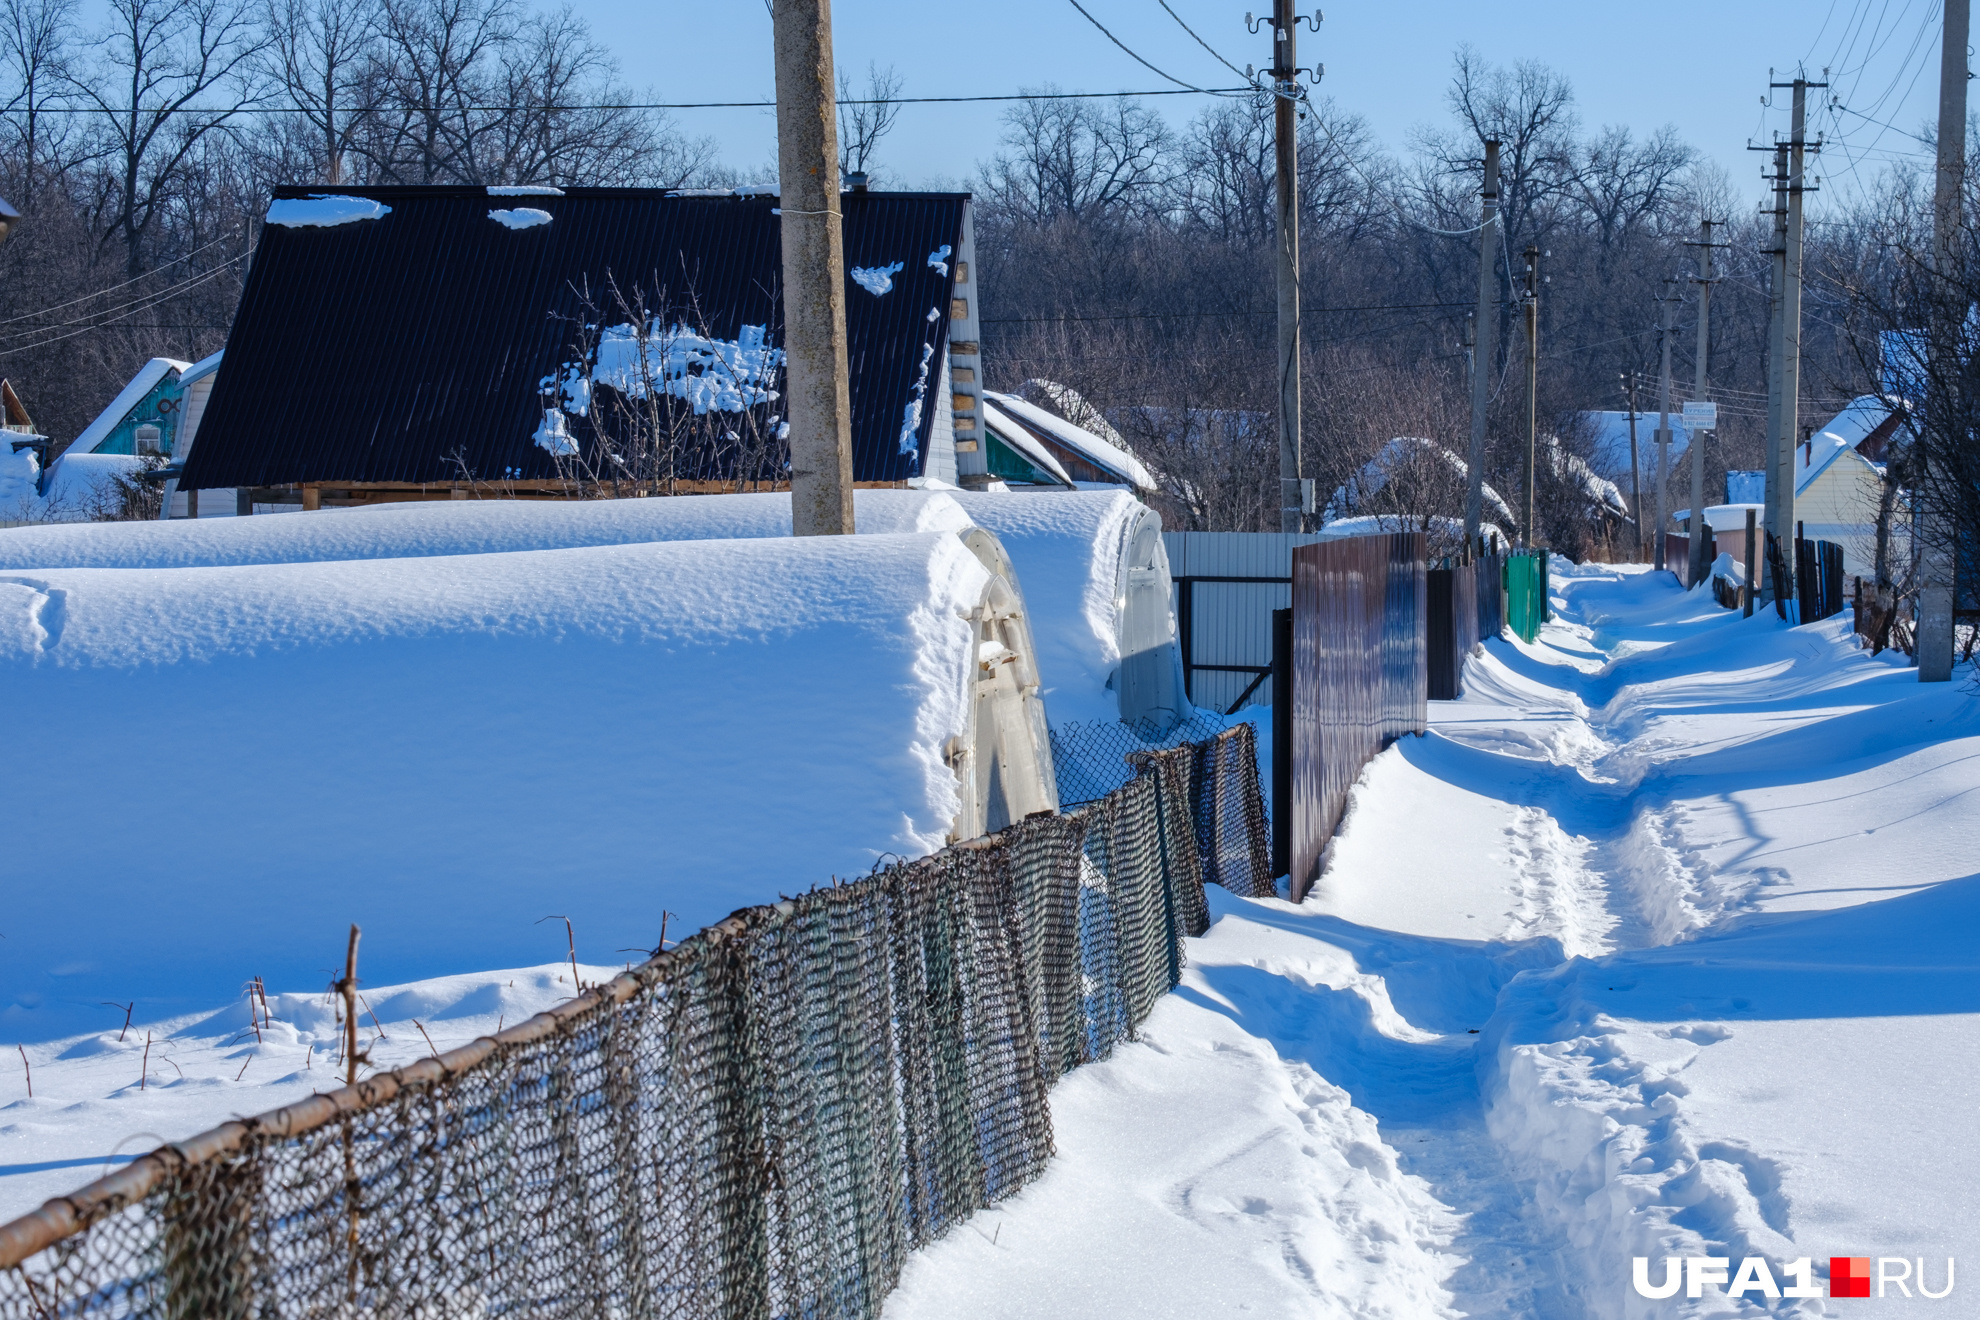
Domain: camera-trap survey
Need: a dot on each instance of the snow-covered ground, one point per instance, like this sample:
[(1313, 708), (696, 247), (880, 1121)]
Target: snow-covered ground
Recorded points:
[(1660, 943)]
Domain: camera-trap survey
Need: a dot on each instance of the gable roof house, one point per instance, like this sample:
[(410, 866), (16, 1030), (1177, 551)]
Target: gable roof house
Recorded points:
[(415, 343), (1838, 485), (1020, 433)]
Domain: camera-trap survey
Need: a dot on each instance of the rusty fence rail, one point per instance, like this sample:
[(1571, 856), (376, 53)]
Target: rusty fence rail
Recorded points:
[(762, 1121)]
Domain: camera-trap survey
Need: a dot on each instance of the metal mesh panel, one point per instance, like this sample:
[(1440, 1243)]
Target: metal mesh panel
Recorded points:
[(1090, 757), (762, 1121), (1229, 806)]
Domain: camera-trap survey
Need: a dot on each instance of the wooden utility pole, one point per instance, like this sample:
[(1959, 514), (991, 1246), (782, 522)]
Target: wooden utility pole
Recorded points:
[(1635, 463), (818, 402), (1704, 281), (1483, 344), (1780, 456), (1285, 113), (1937, 570), (1532, 390), (1663, 436)]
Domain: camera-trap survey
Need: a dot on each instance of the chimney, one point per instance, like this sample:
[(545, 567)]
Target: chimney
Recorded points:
[(856, 181)]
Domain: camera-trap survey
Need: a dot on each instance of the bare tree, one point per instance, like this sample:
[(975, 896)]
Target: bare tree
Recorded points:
[(161, 63), (37, 43), (1079, 160), (324, 54), (866, 118)]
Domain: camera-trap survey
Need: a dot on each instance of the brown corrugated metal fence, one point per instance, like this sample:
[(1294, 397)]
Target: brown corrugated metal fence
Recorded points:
[(1360, 675)]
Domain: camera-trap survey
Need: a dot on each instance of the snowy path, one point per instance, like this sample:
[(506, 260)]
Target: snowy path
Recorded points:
[(1352, 1108)]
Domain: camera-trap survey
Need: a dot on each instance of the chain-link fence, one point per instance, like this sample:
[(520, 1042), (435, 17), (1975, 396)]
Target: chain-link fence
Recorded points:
[(1090, 758), (762, 1121)]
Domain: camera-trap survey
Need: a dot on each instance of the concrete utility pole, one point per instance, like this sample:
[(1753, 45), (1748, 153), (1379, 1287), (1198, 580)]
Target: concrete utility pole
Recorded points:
[(1937, 570), (1791, 316), (1532, 389), (1696, 559), (1635, 463), (1670, 302), (1285, 119), (1777, 520), (1482, 354), (818, 402)]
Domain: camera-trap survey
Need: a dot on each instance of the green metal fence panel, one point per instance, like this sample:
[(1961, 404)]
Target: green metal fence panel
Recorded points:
[(1526, 593)]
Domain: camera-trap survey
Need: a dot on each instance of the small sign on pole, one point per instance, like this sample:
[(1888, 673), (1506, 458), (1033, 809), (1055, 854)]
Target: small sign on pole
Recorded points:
[(1701, 416)]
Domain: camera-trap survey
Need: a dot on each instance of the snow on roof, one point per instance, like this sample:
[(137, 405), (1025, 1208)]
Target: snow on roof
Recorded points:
[(876, 280), (417, 530), (1108, 457), (1845, 431), (1072, 405), (323, 210), (79, 483), (1611, 455), (445, 750), (521, 217), (127, 398), (1569, 467), (1019, 439), (1067, 547), (206, 366), (1375, 473), (1384, 524)]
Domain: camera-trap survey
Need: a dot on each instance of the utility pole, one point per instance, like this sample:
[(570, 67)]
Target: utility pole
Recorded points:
[(819, 404), (1482, 354), (1670, 302), (1285, 107), (1791, 310), (1635, 463), (1784, 349), (1532, 389), (1937, 570), (1704, 281), (1780, 458)]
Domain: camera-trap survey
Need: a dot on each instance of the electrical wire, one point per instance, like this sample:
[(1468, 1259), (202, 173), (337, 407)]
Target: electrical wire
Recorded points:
[(1131, 54), (1184, 90), (1201, 42), (147, 298), (25, 316), (1211, 316), (125, 316)]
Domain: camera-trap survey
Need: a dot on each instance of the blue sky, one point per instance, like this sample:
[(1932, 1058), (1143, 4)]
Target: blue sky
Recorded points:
[(1701, 66)]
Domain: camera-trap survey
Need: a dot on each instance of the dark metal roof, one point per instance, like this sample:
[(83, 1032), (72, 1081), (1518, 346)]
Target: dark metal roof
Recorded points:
[(405, 348)]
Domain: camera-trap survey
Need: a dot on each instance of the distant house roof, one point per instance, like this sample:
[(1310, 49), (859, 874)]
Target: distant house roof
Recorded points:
[(206, 366), (1611, 454), (1866, 424), (1115, 463), (426, 335), (1351, 498), (1023, 443), (128, 398)]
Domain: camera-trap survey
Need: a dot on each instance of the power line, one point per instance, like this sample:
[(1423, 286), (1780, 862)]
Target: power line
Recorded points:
[(1207, 316), (1130, 53), (1201, 42), (28, 316), (1185, 90)]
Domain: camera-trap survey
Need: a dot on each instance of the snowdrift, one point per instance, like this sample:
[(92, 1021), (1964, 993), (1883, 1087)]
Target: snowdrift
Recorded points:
[(451, 527), (219, 768), (1090, 565), (1096, 588)]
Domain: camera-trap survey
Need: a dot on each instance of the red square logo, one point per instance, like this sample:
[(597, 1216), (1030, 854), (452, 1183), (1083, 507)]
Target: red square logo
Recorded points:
[(1849, 1276)]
